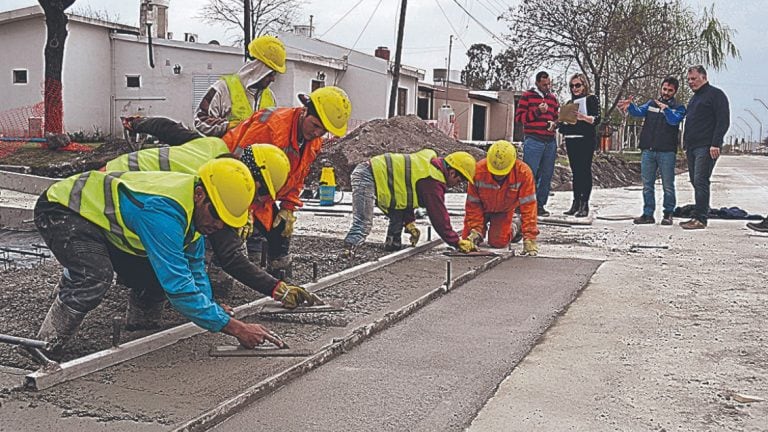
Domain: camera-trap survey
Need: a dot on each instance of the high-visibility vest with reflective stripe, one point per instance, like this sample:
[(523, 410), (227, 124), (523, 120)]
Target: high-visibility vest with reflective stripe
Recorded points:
[(396, 175), (186, 158), (94, 196), (241, 108)]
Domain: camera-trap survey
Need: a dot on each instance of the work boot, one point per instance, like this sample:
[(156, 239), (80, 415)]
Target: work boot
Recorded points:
[(574, 208), (760, 226), (542, 212), (392, 244), (281, 267), (141, 315), (667, 220), (583, 209), (644, 219), (517, 230), (60, 324), (693, 224)]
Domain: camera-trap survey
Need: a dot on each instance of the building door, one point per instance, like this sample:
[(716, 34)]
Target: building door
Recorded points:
[(478, 122)]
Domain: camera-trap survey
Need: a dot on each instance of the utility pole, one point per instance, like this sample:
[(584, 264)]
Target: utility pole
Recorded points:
[(760, 134), (246, 26), (311, 26), (749, 143), (398, 55), (448, 70)]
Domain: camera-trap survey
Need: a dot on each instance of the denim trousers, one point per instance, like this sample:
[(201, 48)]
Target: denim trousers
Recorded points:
[(652, 163), (540, 157), (700, 166), (363, 200)]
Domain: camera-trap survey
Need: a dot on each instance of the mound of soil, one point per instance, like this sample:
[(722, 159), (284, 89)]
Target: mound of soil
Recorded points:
[(401, 134)]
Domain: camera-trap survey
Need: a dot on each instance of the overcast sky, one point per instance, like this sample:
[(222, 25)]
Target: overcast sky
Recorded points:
[(429, 23)]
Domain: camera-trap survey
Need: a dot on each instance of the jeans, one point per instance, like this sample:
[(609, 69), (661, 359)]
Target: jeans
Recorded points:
[(540, 157), (580, 153), (700, 166), (651, 163), (363, 200)]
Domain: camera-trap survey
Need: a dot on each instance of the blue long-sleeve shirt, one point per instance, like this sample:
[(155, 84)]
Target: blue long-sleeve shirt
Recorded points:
[(160, 224), (673, 114), (661, 127)]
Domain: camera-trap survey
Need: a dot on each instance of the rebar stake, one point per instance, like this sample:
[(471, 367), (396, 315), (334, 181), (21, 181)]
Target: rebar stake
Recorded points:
[(448, 275), (429, 233), (314, 272), (116, 322)]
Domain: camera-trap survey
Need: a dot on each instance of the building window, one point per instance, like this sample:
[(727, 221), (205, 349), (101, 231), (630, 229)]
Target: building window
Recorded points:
[(133, 81), (19, 76), (316, 84), (402, 101)]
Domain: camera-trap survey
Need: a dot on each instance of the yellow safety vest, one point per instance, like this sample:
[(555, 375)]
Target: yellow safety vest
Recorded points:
[(186, 158), (241, 108), (396, 174), (94, 196)]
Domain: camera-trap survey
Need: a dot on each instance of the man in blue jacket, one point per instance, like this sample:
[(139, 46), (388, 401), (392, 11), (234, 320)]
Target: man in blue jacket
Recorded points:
[(706, 123), (658, 142)]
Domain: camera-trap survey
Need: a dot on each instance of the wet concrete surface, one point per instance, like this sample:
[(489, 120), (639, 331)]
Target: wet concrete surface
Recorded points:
[(175, 384), (434, 370)]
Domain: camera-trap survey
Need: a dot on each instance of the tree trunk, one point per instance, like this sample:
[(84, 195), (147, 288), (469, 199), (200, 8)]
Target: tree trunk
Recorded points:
[(56, 23)]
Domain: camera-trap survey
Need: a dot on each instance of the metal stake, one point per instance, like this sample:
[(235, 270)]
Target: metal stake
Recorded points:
[(314, 272), (429, 233), (116, 321), (448, 274)]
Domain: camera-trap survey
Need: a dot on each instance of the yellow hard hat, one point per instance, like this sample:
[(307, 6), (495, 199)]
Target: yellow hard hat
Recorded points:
[(333, 107), (501, 158), (270, 51), (269, 166), (230, 187), (464, 163)]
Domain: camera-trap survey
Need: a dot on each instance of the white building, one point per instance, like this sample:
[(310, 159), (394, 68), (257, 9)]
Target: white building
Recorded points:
[(109, 70)]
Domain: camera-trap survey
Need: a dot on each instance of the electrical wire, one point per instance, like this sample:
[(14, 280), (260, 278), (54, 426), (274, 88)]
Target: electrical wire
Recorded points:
[(492, 34), (341, 19), (494, 12), (452, 27), (365, 27)]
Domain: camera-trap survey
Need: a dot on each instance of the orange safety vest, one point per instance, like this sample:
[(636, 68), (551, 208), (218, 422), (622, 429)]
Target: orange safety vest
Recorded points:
[(488, 196), (279, 127)]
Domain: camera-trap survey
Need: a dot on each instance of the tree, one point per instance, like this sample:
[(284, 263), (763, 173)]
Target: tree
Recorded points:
[(56, 25), (621, 45), (478, 73), (267, 16)]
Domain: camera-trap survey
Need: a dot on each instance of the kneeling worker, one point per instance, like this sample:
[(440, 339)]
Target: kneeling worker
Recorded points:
[(501, 185), (270, 169), (399, 183), (147, 227)]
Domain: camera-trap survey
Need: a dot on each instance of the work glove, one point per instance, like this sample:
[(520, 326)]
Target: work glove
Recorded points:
[(530, 247), (232, 124), (291, 296), (246, 231), (287, 216), (475, 237), (466, 246), (414, 232)]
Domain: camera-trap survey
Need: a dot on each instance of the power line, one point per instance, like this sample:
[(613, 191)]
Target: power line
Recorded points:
[(451, 24), (494, 12), (342, 18), (492, 34), (366, 26)]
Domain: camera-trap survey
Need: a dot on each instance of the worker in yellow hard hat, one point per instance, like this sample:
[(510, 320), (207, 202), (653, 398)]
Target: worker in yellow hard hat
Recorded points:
[(299, 132), (502, 184), (399, 183), (147, 227), (229, 101), (270, 169)]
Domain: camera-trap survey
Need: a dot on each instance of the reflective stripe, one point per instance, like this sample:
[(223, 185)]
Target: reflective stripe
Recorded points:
[(408, 189), (266, 114), (390, 179), (238, 152), (75, 195), (163, 158), (109, 204), (473, 198), (515, 185), (133, 161), (527, 199), (484, 185)]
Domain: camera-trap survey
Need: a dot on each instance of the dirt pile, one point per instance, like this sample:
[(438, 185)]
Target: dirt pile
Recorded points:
[(608, 171), (401, 134)]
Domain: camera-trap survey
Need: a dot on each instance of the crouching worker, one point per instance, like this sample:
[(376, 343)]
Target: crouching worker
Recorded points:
[(501, 185), (269, 167), (399, 183), (147, 227)]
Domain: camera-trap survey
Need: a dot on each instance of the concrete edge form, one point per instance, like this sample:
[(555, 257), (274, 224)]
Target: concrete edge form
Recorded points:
[(48, 377), (25, 183), (227, 408), (16, 218)]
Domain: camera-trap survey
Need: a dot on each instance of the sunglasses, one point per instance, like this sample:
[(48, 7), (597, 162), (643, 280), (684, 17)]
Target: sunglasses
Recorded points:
[(576, 85)]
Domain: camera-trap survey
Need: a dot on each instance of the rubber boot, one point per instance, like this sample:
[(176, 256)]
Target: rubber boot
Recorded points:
[(281, 267), (583, 209), (60, 324), (574, 208), (141, 315)]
